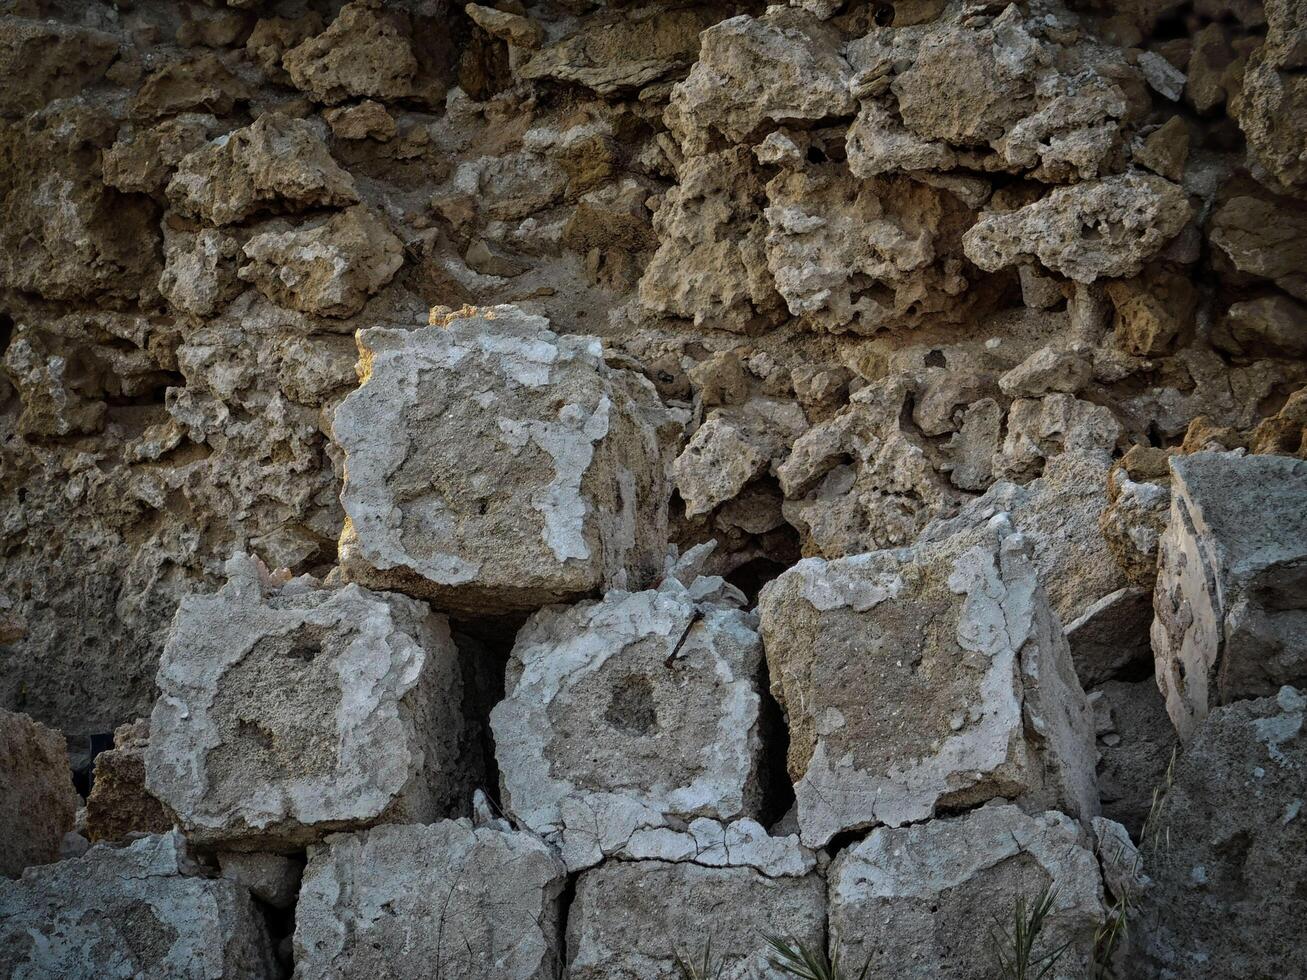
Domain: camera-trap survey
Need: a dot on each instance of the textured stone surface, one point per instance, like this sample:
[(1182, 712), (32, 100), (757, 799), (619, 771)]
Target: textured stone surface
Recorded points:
[(1225, 898), (1136, 747), (911, 900), (446, 899), (629, 920), (923, 679), (144, 910), (630, 714), (1230, 603), (36, 793), (492, 461), (119, 803), (265, 736)]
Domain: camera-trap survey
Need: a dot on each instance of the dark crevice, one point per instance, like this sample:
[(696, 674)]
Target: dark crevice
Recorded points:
[(565, 901), (774, 774), (482, 661)]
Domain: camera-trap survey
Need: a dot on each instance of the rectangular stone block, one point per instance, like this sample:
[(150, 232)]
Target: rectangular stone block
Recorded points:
[(635, 712), (493, 463), (289, 711), (444, 900), (144, 911), (919, 902), (1231, 598), (923, 679)]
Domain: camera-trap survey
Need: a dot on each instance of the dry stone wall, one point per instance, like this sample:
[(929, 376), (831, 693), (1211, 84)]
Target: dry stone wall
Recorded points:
[(530, 489)]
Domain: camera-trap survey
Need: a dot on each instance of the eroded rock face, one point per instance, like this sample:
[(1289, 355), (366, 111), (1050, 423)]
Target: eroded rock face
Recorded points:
[(491, 461), (925, 678), (145, 910), (628, 916), (119, 803), (1229, 603), (478, 901), (630, 714), (264, 737), (908, 900), (1273, 94), (1201, 913), (36, 793)]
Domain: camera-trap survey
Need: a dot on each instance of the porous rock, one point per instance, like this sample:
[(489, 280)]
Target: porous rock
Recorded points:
[(36, 793), (909, 900), (447, 899), (119, 803), (493, 462), (632, 713), (922, 679), (1230, 605), (265, 736), (145, 910)]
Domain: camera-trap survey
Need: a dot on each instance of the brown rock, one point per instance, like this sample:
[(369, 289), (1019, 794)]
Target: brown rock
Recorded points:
[(36, 793), (1154, 311), (119, 803)]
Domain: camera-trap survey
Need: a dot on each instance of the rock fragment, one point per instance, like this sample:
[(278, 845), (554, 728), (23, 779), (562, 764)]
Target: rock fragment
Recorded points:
[(36, 794), (144, 910), (366, 52), (288, 712), (1230, 606), (119, 803), (492, 463), (447, 899)]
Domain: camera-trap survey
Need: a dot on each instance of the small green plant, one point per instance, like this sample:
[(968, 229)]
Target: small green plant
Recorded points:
[(1015, 948), (703, 968), (1109, 937), (1153, 835), (797, 960)]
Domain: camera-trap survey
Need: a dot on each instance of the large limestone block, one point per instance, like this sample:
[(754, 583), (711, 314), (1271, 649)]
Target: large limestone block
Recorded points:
[(629, 920), (1097, 229), (275, 164), (1230, 852), (926, 678), (492, 464), (917, 902), (288, 713), (144, 911), (635, 712), (1231, 599), (443, 900), (37, 798)]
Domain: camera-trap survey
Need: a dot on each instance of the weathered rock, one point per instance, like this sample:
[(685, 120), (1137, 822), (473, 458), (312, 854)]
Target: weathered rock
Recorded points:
[(1111, 636), (367, 120), (922, 679), (631, 714), (272, 878), (199, 270), (1136, 746), (1122, 864), (144, 910), (1154, 312), (629, 920), (1165, 150), (782, 67), (910, 900), (1097, 229), (1264, 237), (201, 84), (1273, 325), (1232, 843), (36, 794), (327, 267), (365, 53), (1230, 605), (1049, 370), (275, 164), (119, 803), (1135, 518), (143, 159), (265, 736), (1274, 94), (446, 898), (623, 49), (493, 463), (44, 60)]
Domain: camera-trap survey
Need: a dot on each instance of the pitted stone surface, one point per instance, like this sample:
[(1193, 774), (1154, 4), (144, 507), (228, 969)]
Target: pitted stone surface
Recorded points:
[(493, 462), (145, 910), (632, 714), (1230, 604), (446, 900), (37, 797), (922, 679), (288, 712), (630, 919), (911, 900)]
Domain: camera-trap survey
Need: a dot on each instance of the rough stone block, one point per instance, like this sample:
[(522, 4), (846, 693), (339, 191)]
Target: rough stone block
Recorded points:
[(917, 902), (926, 678), (630, 919), (444, 900), (492, 463), (1227, 897), (140, 911), (37, 798), (119, 803), (289, 712), (1231, 596), (635, 712)]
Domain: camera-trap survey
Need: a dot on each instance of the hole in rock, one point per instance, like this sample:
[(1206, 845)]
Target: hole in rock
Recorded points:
[(631, 707), (884, 14)]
